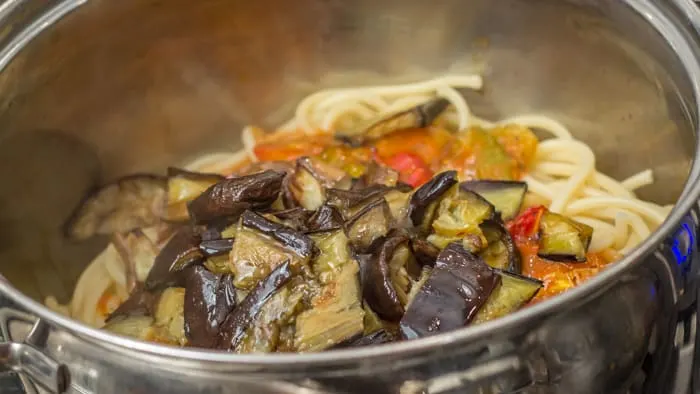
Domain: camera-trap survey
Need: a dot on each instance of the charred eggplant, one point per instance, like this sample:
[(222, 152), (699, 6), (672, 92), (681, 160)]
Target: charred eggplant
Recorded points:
[(261, 245), (563, 239), (458, 286), (229, 198), (506, 196), (501, 252), (369, 224), (458, 217), (169, 315), (129, 203), (181, 251), (426, 198), (183, 187), (307, 186), (238, 321), (511, 294), (216, 247), (416, 117), (326, 218), (209, 298)]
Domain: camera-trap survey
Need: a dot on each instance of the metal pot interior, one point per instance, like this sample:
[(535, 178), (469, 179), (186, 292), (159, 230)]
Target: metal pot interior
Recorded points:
[(134, 86)]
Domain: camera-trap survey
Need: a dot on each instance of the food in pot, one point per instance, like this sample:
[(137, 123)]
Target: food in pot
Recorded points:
[(375, 215)]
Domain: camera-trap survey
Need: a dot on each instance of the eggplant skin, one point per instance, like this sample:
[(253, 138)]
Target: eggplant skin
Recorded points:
[(293, 240), (375, 338), (419, 116), (140, 303), (326, 218), (237, 322), (230, 197), (513, 293), (130, 202), (181, 251), (512, 258), (425, 252), (377, 287), (216, 247), (506, 196), (458, 286), (428, 194), (209, 298)]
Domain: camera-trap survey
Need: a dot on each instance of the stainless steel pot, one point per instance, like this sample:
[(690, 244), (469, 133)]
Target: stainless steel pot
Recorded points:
[(93, 90)]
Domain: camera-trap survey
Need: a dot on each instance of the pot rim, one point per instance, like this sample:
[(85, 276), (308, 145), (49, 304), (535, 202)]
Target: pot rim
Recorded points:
[(684, 49)]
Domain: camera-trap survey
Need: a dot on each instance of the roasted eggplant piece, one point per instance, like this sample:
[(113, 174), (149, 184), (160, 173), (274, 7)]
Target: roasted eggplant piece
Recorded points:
[(506, 196), (458, 217), (563, 239), (307, 186), (326, 218), (139, 303), (239, 320), (266, 332), (369, 224), (219, 264), (425, 252), (376, 174), (180, 252), (416, 117), (138, 254), (209, 298), (501, 252), (349, 202), (426, 198), (334, 253), (296, 218), (385, 279), (183, 187), (417, 285), (170, 315), (229, 198), (261, 245), (131, 202), (511, 294), (140, 327), (216, 247), (336, 313), (375, 338), (398, 206), (458, 286)]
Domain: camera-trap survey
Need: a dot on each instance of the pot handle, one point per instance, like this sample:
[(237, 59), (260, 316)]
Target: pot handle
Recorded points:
[(28, 356)]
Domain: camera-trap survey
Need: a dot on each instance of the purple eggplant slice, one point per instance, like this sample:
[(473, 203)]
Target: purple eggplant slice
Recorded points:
[(563, 239), (506, 196), (425, 252), (512, 294), (131, 202), (183, 187), (233, 328), (385, 280), (375, 338), (501, 252), (326, 218), (457, 218), (209, 298), (216, 247), (369, 224), (170, 316), (181, 251), (458, 286), (416, 117), (349, 202), (426, 198), (307, 186), (229, 198), (376, 174), (295, 218), (261, 245)]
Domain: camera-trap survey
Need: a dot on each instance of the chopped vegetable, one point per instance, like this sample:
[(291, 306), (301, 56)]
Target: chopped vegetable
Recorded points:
[(426, 198), (326, 218), (183, 187), (139, 303), (231, 197), (506, 196), (412, 169), (417, 117), (458, 217), (501, 252), (179, 253), (511, 294), (376, 338), (129, 203), (262, 245), (238, 321), (385, 283), (307, 187), (369, 224), (563, 239), (450, 298), (169, 314), (334, 253), (527, 224), (209, 298), (216, 247), (140, 327)]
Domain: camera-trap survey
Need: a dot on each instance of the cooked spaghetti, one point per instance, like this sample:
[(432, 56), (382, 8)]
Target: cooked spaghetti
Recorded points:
[(416, 133)]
